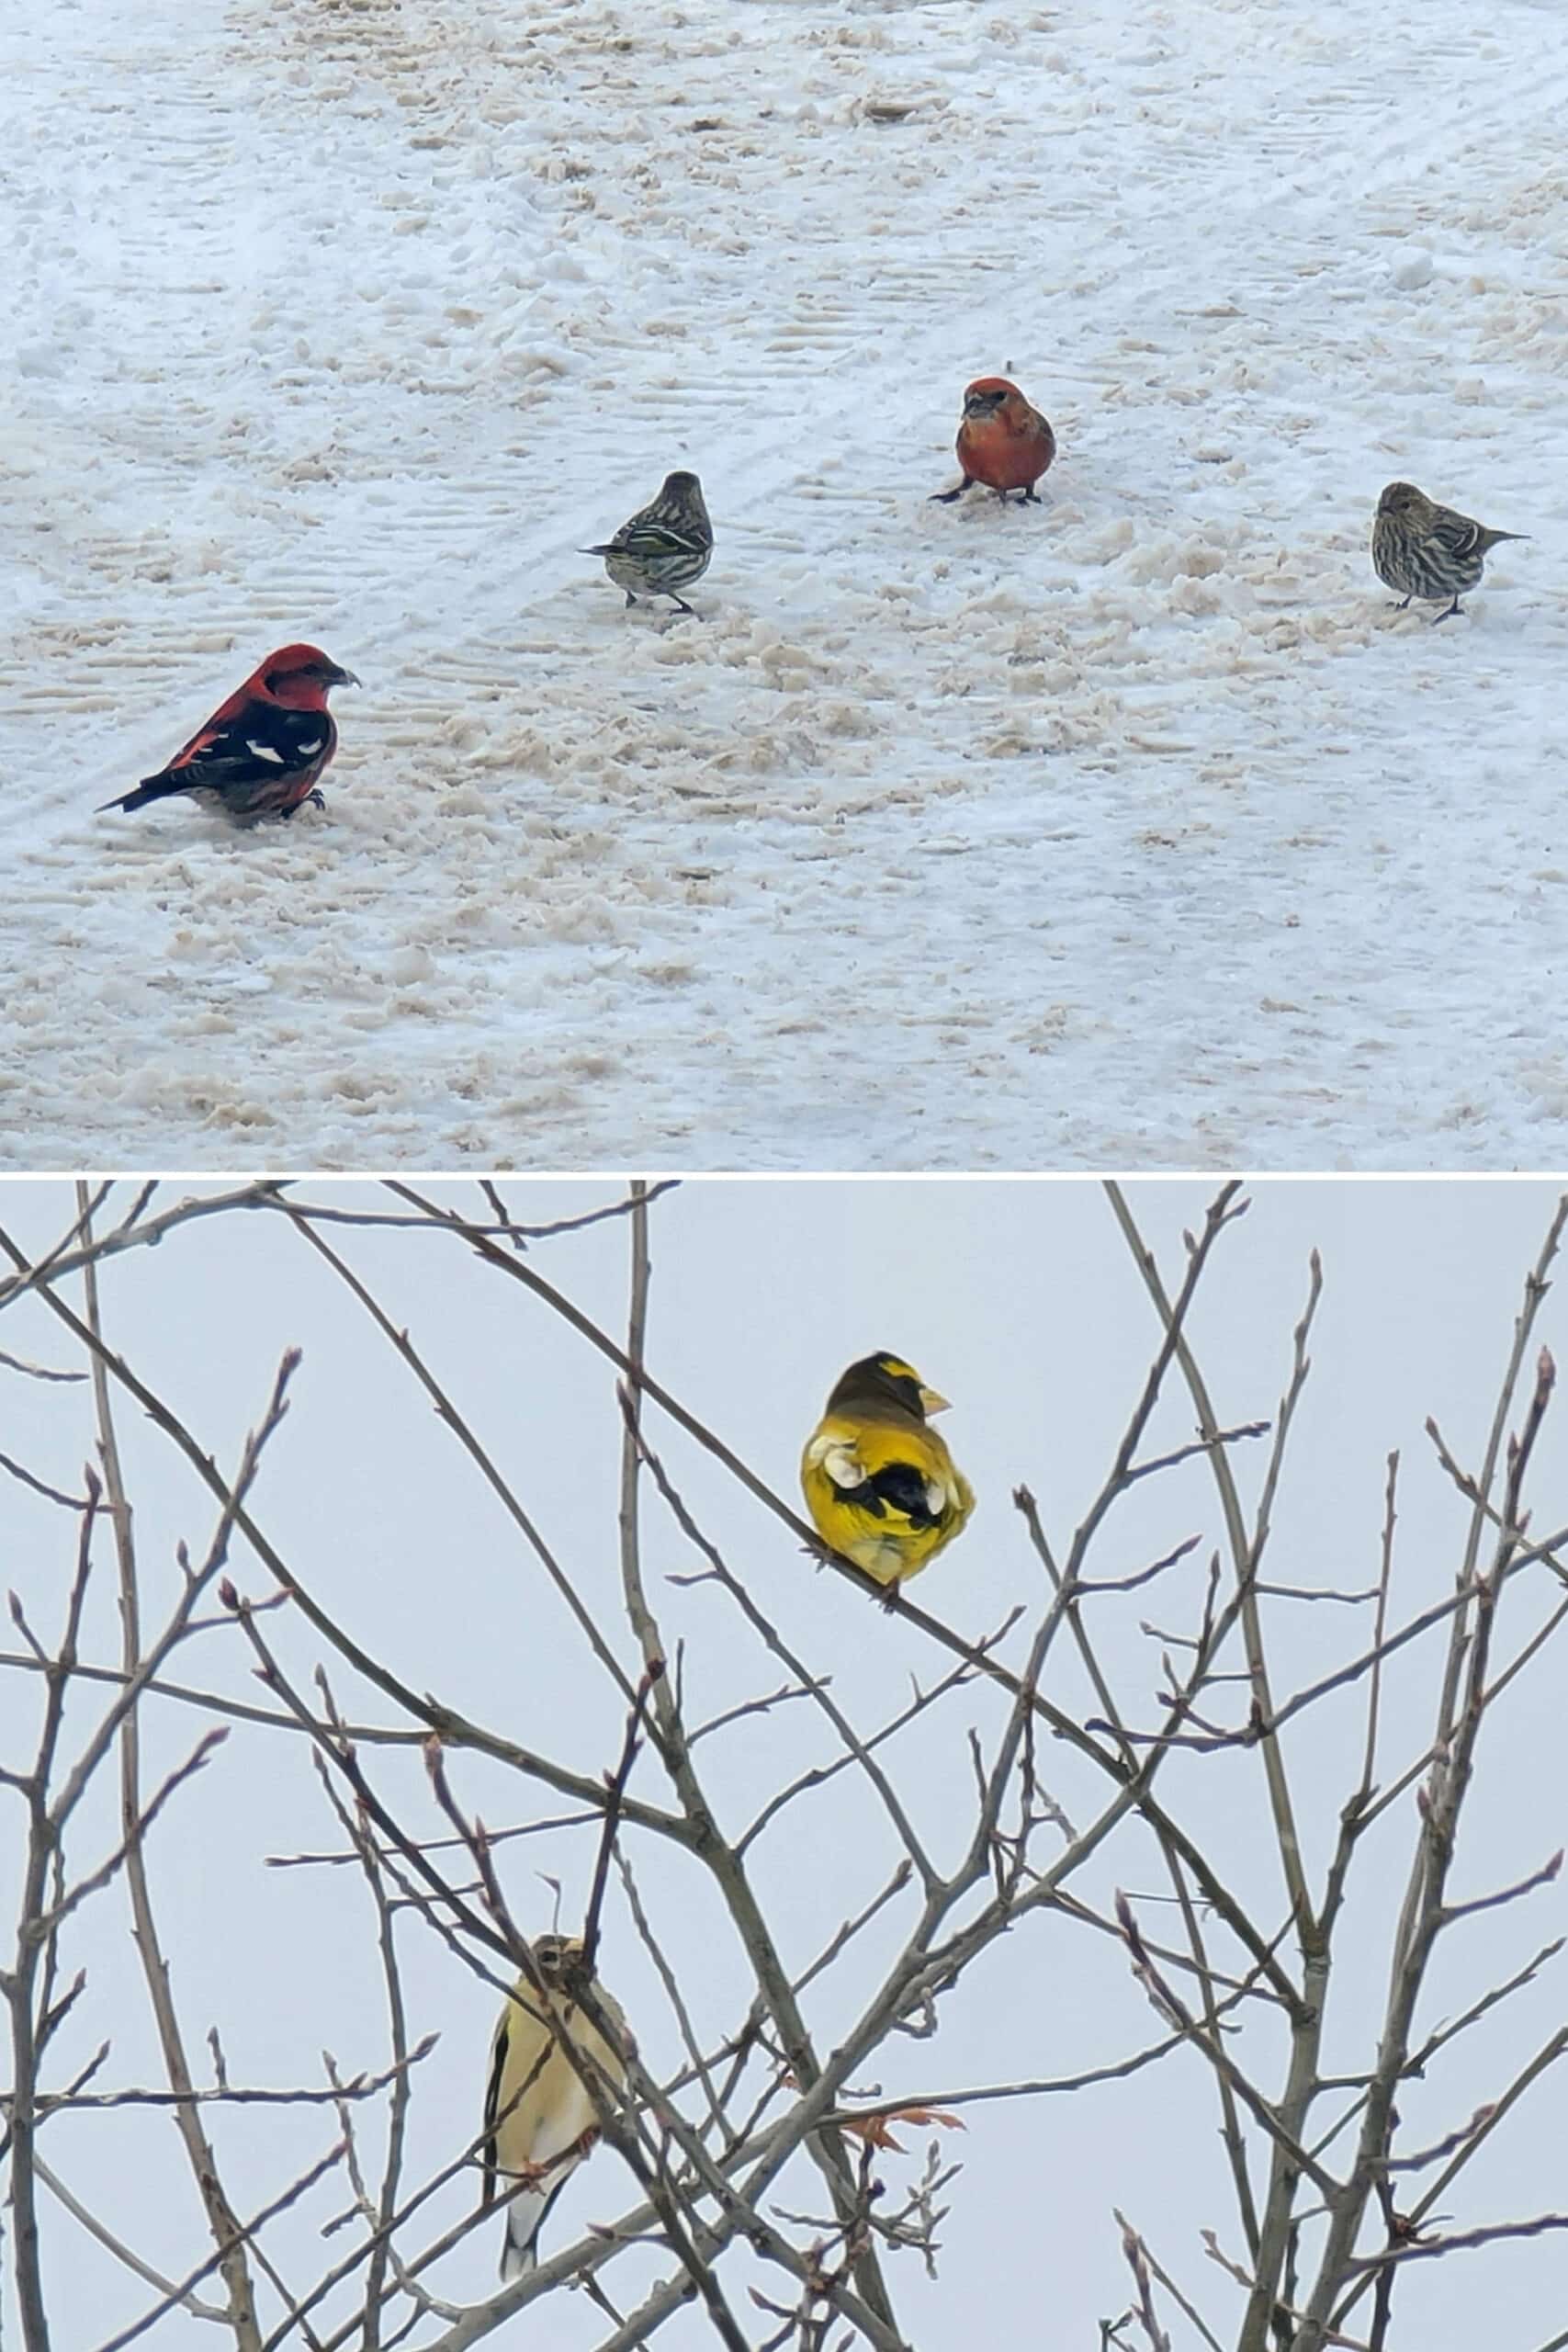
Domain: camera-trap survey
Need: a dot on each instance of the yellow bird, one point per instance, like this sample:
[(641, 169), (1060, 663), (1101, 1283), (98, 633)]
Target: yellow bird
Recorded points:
[(880, 1484), (539, 2120)]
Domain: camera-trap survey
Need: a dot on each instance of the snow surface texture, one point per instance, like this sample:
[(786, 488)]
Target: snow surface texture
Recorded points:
[(1136, 831)]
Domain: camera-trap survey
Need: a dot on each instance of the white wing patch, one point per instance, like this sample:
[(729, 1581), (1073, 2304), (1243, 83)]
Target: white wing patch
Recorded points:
[(264, 751), (839, 1458), (305, 750)]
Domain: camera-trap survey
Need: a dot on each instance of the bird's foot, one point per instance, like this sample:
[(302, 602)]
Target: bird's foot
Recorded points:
[(892, 1599), (1028, 499), (946, 497), (631, 600), (527, 2176), (682, 607), (584, 2143), (1447, 615)]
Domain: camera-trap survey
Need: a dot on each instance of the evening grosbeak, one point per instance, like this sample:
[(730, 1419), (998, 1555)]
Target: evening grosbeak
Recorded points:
[(879, 1482), (667, 544), (1002, 441), (1423, 549), (539, 2120), (261, 753)]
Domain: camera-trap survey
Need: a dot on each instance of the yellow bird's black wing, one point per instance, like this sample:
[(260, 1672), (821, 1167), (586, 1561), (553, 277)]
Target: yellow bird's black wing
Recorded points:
[(904, 1470)]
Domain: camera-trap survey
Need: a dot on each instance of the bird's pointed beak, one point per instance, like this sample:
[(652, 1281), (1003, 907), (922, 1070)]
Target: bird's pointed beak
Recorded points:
[(982, 404), (931, 1402), (341, 677)]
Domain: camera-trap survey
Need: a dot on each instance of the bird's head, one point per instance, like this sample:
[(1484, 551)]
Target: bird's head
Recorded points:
[(887, 1379), (556, 1957), (679, 495), (986, 395), (302, 676), (1403, 498)]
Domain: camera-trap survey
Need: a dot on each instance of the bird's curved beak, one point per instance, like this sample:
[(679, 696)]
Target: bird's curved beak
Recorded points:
[(983, 404), (337, 677), (931, 1402)]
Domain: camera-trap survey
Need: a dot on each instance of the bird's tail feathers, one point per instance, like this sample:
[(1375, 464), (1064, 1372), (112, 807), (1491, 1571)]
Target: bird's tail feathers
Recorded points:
[(516, 2261), (525, 2214), (152, 788)]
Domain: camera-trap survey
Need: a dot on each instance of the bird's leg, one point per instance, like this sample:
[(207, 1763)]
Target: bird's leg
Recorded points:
[(681, 607), (1405, 605), (531, 2176), (946, 497), (1452, 609), (526, 2175), (630, 599), (1028, 499), (892, 1599)]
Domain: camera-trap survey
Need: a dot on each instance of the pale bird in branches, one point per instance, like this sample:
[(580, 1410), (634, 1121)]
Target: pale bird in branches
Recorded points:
[(540, 2119)]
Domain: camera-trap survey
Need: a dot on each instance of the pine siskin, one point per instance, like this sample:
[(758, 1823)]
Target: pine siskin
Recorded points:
[(664, 547), (1428, 550)]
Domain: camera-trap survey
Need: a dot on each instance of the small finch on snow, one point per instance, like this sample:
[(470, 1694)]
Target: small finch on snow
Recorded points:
[(1424, 549), (1002, 442), (665, 546), (260, 751)]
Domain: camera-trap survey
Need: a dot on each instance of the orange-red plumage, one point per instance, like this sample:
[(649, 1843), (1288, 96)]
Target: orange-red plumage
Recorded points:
[(1002, 441), (261, 753)]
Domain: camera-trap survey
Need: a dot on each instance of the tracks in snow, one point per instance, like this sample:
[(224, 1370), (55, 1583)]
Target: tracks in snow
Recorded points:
[(421, 307)]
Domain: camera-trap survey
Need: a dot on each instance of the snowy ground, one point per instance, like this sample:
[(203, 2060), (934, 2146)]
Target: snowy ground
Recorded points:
[(1136, 829)]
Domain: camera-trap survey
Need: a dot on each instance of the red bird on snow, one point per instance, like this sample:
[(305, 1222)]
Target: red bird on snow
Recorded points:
[(1002, 441), (260, 751)]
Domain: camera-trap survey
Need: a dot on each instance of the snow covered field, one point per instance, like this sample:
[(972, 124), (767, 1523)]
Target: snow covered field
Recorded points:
[(1136, 829)]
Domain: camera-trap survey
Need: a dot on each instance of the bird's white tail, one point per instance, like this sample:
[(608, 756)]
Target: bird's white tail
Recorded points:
[(523, 2215)]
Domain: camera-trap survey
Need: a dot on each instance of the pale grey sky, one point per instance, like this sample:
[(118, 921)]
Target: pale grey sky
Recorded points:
[(1019, 1300)]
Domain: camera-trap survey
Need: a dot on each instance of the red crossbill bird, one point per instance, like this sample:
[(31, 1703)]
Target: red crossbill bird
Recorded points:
[(1428, 550), (1002, 442), (260, 751)]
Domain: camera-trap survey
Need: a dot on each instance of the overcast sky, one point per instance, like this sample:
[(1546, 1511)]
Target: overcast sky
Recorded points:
[(1020, 1301)]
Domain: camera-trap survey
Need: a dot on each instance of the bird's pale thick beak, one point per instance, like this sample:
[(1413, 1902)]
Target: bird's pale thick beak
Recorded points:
[(982, 404), (931, 1402)]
